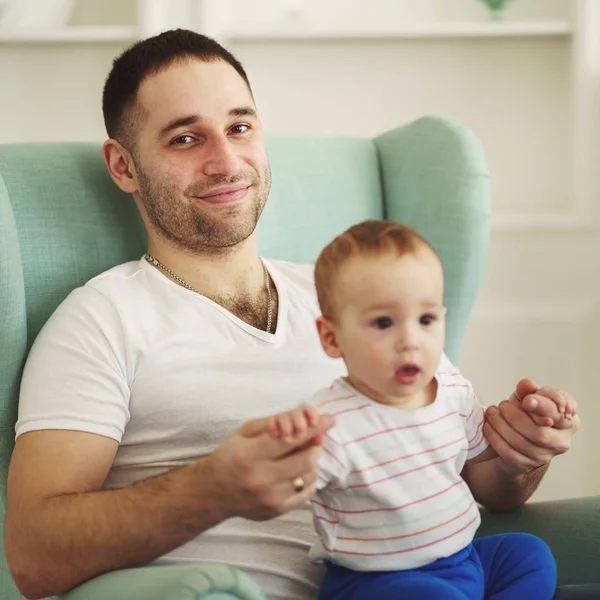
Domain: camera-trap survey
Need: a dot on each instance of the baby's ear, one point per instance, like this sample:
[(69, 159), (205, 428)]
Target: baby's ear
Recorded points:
[(328, 338)]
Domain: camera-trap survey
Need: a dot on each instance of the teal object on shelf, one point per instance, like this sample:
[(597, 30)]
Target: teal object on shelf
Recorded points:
[(63, 221), (496, 7)]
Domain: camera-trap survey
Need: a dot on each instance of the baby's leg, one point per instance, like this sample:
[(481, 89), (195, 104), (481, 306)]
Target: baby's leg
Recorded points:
[(343, 584), (516, 565)]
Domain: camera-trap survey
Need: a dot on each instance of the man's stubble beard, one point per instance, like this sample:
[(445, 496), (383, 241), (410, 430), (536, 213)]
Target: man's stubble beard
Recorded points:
[(184, 224)]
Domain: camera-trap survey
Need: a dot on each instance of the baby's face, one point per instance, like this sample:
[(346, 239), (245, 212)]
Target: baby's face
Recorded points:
[(391, 323)]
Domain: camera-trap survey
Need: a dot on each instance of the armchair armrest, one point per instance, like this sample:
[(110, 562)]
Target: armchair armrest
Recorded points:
[(177, 582), (570, 527)]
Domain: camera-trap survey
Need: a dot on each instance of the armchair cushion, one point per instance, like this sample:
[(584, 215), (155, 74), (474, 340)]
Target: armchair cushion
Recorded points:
[(180, 582)]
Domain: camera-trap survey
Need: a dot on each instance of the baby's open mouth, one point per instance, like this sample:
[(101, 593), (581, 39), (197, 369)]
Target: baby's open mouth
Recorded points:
[(407, 374)]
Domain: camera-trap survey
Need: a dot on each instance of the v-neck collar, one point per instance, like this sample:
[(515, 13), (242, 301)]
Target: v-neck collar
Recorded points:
[(282, 304)]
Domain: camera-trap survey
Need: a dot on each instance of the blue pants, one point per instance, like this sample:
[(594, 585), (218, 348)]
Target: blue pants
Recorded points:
[(500, 567)]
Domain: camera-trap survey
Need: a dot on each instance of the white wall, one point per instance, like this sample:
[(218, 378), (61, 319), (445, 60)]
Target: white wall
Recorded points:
[(538, 313), (363, 88)]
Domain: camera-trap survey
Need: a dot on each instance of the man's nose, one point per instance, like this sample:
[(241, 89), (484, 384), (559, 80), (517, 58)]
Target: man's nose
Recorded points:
[(221, 158)]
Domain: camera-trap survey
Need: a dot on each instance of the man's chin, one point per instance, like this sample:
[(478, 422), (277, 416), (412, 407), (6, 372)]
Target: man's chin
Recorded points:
[(222, 238)]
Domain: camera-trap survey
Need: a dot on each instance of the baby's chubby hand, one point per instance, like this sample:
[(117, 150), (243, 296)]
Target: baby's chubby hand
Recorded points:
[(293, 423)]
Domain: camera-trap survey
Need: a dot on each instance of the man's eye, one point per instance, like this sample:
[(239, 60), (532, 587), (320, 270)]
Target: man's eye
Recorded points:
[(240, 128), (427, 319), (382, 322), (182, 140)]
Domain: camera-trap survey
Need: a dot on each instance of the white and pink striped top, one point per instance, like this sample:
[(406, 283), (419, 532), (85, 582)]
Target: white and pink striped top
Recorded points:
[(390, 495)]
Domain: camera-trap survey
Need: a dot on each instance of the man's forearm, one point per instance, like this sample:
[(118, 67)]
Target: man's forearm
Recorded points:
[(74, 537), (497, 490)]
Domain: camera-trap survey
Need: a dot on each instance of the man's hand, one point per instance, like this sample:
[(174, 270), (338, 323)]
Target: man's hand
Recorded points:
[(518, 428), (254, 471)]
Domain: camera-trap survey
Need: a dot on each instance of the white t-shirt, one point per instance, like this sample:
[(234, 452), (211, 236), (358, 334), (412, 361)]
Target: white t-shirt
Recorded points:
[(391, 496), (169, 374)]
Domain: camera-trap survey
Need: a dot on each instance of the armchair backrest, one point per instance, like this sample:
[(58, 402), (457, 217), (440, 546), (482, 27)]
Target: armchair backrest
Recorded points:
[(62, 221)]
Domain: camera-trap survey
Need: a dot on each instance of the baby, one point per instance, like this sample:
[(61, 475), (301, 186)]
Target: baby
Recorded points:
[(395, 518)]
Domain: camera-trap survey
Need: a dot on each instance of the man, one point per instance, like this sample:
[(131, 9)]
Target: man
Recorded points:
[(143, 399)]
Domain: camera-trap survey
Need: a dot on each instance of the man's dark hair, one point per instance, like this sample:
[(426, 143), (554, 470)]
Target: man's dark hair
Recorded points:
[(146, 58)]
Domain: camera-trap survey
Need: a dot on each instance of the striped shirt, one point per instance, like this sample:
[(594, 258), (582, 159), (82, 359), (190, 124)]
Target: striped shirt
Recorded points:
[(390, 492)]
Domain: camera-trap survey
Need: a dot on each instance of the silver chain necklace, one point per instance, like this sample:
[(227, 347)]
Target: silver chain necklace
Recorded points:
[(181, 282)]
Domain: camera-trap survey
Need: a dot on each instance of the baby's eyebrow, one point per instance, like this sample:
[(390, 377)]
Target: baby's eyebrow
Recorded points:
[(427, 304)]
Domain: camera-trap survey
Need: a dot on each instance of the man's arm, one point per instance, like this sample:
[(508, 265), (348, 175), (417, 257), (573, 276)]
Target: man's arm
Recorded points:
[(62, 530), (496, 489)]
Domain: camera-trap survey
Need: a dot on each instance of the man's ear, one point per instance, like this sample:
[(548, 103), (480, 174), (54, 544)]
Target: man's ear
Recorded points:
[(119, 163), (328, 338)]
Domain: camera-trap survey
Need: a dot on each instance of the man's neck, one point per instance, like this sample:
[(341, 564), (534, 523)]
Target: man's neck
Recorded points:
[(236, 273)]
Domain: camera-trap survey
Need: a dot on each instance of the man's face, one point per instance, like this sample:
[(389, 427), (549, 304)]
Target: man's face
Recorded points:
[(202, 169)]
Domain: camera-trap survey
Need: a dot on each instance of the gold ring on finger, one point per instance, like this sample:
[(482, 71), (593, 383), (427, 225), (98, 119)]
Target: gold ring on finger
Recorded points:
[(298, 484)]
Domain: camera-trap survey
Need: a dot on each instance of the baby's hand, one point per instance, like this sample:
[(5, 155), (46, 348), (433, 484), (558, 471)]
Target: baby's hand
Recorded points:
[(294, 422), (547, 407)]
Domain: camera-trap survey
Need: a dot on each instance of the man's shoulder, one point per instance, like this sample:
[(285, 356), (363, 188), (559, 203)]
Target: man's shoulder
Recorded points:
[(105, 291), (121, 275), (119, 284)]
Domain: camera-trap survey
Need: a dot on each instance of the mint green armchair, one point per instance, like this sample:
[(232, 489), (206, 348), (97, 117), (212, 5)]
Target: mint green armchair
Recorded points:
[(62, 221)]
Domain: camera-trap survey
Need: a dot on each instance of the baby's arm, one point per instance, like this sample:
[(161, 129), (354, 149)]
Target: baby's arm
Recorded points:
[(487, 454), (474, 428)]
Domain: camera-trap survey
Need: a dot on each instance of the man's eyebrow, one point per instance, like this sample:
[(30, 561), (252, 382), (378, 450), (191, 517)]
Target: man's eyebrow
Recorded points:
[(177, 123), (243, 111), (240, 111)]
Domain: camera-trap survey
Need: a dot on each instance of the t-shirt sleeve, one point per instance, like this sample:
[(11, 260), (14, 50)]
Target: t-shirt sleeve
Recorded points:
[(469, 408), (332, 468), (75, 376), (473, 413)]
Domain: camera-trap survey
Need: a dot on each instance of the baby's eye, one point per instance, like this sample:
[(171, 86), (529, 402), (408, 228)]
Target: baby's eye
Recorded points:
[(382, 322), (427, 319)]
